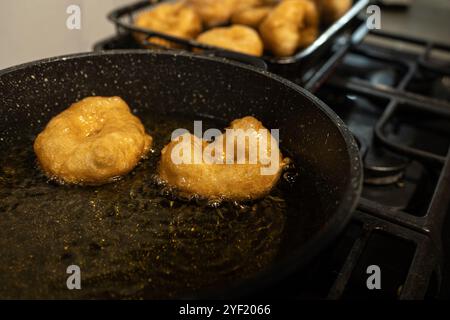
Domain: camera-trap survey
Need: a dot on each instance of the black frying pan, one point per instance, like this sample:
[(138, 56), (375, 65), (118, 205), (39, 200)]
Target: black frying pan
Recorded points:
[(132, 239)]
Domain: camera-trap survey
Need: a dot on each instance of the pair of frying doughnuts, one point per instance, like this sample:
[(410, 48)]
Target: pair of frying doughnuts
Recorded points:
[(98, 139)]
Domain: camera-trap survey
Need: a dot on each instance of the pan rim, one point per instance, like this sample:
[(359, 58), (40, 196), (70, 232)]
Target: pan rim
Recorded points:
[(342, 215)]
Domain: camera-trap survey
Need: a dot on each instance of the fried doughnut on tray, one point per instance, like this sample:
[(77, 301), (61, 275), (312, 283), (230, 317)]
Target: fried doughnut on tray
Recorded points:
[(174, 19), (251, 17), (252, 12), (236, 38), (213, 12), (332, 10), (293, 24)]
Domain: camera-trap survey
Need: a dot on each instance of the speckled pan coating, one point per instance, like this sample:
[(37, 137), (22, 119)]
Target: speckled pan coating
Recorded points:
[(165, 82)]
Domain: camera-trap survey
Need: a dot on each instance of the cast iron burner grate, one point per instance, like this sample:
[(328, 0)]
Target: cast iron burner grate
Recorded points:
[(393, 92), (396, 102)]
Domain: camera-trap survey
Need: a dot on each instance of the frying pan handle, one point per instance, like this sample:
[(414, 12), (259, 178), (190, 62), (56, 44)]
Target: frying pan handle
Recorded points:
[(242, 58)]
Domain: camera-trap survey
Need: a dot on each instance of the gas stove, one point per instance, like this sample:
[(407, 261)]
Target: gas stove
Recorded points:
[(396, 103), (394, 94)]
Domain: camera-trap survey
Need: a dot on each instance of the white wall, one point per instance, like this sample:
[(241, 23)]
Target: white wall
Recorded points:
[(35, 29)]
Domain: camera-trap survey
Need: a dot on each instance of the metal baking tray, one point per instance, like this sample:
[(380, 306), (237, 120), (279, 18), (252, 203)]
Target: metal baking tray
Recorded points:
[(123, 18)]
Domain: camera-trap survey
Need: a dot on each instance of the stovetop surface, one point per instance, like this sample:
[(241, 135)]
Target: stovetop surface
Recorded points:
[(396, 101), (397, 105)]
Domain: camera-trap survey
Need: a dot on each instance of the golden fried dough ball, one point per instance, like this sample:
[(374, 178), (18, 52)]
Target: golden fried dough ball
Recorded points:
[(245, 4), (223, 176), (174, 19), (213, 12), (310, 29), (332, 10), (93, 142), (293, 24), (252, 12), (235, 38), (252, 16)]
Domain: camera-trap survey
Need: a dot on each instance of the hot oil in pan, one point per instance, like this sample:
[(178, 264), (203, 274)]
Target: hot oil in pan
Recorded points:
[(128, 238)]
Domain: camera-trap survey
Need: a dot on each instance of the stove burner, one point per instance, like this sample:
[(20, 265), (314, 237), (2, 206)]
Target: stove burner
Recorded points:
[(411, 192), (382, 167)]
